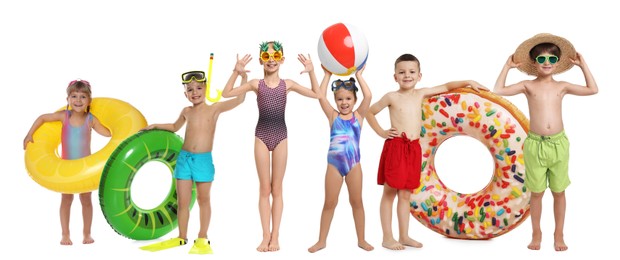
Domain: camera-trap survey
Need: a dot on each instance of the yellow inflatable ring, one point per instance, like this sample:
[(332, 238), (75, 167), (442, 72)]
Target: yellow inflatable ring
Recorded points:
[(500, 206), (82, 175)]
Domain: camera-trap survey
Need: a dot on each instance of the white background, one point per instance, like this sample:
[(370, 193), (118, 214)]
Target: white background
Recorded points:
[(136, 50)]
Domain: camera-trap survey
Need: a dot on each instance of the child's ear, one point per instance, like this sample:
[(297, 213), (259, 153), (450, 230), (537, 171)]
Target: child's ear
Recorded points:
[(282, 60)]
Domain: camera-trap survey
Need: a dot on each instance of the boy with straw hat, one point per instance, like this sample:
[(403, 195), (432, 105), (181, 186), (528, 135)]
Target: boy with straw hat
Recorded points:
[(546, 149)]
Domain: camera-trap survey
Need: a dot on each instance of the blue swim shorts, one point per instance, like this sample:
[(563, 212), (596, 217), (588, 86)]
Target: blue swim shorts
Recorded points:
[(196, 167)]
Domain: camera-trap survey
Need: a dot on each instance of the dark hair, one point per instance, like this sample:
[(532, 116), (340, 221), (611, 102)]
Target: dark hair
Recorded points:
[(545, 47), (407, 57), (79, 86)]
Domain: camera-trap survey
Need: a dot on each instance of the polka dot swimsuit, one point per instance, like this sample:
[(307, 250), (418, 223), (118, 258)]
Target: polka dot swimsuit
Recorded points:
[(271, 128)]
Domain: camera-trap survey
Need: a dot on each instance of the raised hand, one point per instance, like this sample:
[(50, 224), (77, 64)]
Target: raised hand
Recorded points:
[(360, 71), (307, 62), (240, 65), (327, 72), (511, 62), (578, 61)]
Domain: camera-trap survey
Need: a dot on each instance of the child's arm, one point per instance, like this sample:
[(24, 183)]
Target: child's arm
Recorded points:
[(327, 108), (100, 129), (500, 85), (452, 85), (232, 103), (239, 69), (365, 104), (372, 120), (309, 68), (590, 88), (170, 127), (51, 117)]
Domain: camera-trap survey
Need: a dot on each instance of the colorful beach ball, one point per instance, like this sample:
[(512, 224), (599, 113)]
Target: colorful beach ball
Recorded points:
[(343, 49)]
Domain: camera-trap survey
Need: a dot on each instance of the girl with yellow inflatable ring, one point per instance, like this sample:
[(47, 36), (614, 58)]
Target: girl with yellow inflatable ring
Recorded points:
[(77, 124)]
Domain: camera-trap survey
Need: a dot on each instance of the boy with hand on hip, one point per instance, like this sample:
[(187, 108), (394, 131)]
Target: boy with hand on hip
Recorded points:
[(401, 159)]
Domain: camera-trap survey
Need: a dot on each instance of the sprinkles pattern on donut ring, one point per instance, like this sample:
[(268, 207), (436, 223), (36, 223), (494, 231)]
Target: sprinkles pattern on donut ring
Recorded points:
[(500, 206)]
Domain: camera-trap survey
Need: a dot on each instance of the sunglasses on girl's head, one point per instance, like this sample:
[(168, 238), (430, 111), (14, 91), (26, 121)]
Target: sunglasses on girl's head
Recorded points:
[(198, 76), (78, 80), (265, 56), (346, 84), (542, 59)]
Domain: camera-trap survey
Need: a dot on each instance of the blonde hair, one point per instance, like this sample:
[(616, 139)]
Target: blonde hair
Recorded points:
[(79, 86)]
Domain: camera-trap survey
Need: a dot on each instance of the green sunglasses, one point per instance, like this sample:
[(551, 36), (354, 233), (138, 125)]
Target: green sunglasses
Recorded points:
[(542, 59)]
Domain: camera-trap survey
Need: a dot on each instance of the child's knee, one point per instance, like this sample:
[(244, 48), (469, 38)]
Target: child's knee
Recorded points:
[(559, 195), (356, 203), (330, 204), (404, 194), (204, 199), (66, 199), (537, 195), (389, 191), (86, 203)]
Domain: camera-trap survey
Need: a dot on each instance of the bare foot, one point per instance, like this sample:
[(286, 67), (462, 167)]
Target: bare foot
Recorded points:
[(559, 243), (274, 245), (536, 239), (364, 245), (410, 242), (264, 245), (88, 240), (316, 247), (393, 245), (66, 241)]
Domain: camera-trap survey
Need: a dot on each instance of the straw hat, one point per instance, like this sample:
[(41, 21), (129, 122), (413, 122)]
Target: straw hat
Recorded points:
[(522, 54)]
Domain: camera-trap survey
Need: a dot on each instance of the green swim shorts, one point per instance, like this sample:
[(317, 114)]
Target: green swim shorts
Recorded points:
[(546, 161)]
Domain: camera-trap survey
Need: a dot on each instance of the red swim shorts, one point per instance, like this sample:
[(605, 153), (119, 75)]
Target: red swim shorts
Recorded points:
[(400, 163)]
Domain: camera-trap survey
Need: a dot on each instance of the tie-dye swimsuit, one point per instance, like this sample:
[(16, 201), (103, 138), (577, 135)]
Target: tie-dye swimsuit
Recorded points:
[(344, 152), (75, 139)]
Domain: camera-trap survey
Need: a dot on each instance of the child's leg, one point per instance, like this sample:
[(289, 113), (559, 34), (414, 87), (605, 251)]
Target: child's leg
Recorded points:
[(559, 211), (403, 211), (184, 196), (333, 183), (204, 203), (535, 213), (354, 185), (87, 216), (262, 158), (65, 216), (385, 212), (278, 168)]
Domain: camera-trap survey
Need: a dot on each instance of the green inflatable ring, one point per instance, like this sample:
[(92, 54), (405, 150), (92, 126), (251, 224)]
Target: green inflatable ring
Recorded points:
[(123, 215)]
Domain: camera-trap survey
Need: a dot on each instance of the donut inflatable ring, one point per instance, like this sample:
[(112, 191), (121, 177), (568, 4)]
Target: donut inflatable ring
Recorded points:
[(500, 206), (45, 166), (123, 215)]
